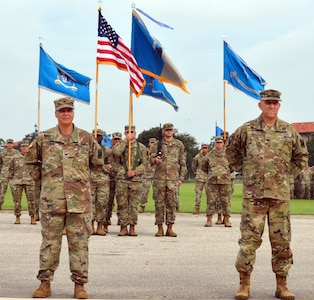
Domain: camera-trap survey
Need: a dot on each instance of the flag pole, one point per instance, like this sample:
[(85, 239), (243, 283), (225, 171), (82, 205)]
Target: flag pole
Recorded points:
[(96, 102), (225, 122), (130, 124), (38, 111)]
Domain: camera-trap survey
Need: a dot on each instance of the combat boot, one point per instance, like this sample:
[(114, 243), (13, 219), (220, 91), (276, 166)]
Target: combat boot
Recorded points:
[(132, 231), (93, 228), (142, 209), (227, 221), (37, 218), (209, 221), (33, 221), (100, 230), (17, 220), (170, 232), (123, 231), (282, 291), (106, 228), (43, 291), (79, 291), (243, 293), (160, 231), (64, 231), (196, 211), (219, 220)]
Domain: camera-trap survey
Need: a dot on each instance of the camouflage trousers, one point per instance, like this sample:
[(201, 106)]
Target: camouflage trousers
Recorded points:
[(128, 194), (17, 191), (199, 186), (78, 229), (165, 195), (146, 184), (3, 189), (218, 199), (254, 213), (112, 193), (100, 198)]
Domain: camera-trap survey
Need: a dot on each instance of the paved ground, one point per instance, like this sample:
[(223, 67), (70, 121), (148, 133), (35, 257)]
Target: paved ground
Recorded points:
[(198, 264)]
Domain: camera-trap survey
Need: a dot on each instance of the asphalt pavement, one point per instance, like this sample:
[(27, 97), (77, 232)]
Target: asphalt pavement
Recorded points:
[(197, 264)]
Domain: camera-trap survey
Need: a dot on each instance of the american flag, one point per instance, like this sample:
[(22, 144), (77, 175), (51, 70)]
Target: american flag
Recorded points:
[(112, 50)]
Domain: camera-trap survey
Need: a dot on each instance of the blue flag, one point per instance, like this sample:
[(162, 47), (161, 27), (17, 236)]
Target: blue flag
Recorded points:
[(240, 75), (58, 78), (151, 57), (106, 140), (156, 89), (219, 131)]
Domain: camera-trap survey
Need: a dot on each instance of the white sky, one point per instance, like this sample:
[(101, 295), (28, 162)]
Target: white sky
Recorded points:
[(276, 38)]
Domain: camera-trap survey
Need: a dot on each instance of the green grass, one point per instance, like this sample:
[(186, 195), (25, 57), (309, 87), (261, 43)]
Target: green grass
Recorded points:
[(187, 200)]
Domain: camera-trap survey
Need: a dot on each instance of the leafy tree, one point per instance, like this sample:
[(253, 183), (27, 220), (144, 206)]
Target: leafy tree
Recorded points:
[(310, 148)]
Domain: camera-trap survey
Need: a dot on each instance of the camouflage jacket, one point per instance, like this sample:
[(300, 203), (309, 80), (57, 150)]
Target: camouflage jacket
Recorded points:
[(19, 173), (216, 165), (266, 157), (99, 176), (173, 165), (64, 166), (5, 159), (139, 159), (197, 162)]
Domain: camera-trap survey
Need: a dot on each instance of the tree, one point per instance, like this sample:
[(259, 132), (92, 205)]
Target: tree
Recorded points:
[(310, 148)]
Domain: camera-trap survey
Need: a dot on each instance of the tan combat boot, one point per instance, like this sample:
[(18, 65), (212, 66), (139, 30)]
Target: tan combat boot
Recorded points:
[(43, 291), (132, 231), (33, 221), (196, 211), (17, 220), (219, 220), (282, 291), (79, 291), (64, 231), (100, 230), (160, 231), (93, 228), (227, 221), (37, 218), (209, 221), (106, 228), (123, 231), (142, 209), (170, 232), (243, 293)]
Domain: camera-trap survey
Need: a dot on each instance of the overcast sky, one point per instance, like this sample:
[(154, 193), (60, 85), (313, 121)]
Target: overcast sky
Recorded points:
[(276, 38)]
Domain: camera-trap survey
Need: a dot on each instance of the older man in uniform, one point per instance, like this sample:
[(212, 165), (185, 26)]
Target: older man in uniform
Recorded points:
[(266, 150), (62, 159)]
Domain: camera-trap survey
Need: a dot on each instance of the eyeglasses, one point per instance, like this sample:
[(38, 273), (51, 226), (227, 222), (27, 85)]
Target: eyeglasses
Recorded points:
[(65, 110), (168, 129)]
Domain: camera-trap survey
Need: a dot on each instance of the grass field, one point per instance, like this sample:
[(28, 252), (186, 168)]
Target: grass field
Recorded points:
[(187, 200)]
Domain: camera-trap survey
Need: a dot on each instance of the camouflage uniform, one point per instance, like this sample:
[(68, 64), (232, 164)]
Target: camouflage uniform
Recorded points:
[(63, 166), (21, 181), (128, 190), (266, 156), (5, 158), (306, 175), (200, 177), (167, 174)]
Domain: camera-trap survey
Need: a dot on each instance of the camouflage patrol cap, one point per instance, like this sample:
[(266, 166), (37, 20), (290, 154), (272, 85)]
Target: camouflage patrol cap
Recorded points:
[(270, 95), (64, 102), (126, 128), (219, 139), (98, 131), (10, 141), (152, 140), (117, 135), (204, 146), (24, 143), (167, 126)]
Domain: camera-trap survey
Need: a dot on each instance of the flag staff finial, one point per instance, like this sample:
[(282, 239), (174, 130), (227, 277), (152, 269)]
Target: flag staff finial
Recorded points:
[(133, 5), (100, 3)]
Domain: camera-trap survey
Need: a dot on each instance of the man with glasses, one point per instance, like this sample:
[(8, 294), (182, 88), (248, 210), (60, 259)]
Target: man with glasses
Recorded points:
[(266, 151), (169, 159)]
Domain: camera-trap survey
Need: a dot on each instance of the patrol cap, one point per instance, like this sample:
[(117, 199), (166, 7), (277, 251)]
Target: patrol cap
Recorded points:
[(204, 146), (9, 141), (167, 126), (24, 143), (152, 140), (98, 131), (64, 102), (117, 135), (219, 139), (126, 128), (270, 95)]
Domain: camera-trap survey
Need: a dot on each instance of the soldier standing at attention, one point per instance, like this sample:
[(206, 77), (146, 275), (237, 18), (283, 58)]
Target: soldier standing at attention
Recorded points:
[(20, 180), (5, 158), (266, 150), (129, 179), (62, 158), (200, 176), (218, 184), (169, 156), (147, 178)]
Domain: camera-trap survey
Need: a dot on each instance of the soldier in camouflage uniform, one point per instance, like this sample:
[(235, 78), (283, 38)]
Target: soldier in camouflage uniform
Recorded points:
[(200, 176), (218, 184), (62, 158), (129, 179), (5, 158), (20, 180), (147, 179), (305, 176), (266, 150), (169, 156)]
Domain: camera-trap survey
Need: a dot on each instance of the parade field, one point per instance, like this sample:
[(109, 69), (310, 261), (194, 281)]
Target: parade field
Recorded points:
[(187, 198)]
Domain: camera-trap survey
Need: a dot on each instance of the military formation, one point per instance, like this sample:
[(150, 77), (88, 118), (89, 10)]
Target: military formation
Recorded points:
[(71, 181)]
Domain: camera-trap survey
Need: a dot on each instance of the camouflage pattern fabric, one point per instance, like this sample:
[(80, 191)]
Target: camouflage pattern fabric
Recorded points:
[(147, 181)]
